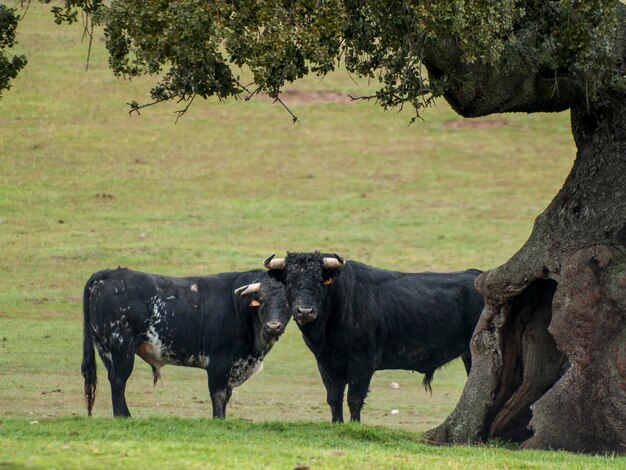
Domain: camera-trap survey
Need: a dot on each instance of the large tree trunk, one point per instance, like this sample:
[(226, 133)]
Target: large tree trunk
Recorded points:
[(549, 351)]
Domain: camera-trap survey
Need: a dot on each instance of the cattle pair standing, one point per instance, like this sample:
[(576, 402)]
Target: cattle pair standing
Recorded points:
[(356, 319)]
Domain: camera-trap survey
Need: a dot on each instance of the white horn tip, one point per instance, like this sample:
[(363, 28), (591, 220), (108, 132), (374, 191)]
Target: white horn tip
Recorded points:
[(249, 289)]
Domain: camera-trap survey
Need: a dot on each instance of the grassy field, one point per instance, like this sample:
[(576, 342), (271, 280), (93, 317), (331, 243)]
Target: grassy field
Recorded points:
[(203, 443), (84, 186)]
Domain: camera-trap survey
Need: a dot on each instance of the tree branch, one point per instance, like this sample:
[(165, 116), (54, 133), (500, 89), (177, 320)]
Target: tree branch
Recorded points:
[(183, 111), (87, 31), (135, 107), (294, 118)]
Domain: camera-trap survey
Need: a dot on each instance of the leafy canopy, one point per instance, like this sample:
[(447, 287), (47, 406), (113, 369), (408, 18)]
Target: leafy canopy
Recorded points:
[(10, 64), (198, 47)]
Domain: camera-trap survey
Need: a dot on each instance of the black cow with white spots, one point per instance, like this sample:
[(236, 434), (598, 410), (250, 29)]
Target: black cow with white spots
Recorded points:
[(357, 319), (225, 323)]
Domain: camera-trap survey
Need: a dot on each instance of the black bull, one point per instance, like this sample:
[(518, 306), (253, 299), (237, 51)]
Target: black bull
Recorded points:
[(357, 319), (224, 323)]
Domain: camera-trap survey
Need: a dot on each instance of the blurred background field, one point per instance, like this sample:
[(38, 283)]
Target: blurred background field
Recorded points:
[(84, 186)]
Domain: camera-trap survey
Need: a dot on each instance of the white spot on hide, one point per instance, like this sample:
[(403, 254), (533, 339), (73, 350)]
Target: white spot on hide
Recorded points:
[(105, 355), (157, 345), (200, 360), (158, 309), (243, 369), (116, 335)]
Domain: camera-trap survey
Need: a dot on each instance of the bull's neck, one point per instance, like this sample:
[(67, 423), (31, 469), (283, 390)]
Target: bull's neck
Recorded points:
[(245, 327)]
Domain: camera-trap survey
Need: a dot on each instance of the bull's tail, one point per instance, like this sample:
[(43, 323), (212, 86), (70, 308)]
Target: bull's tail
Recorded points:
[(88, 367)]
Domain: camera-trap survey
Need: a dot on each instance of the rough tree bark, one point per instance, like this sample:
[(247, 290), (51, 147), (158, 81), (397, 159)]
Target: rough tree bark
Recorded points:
[(549, 351)]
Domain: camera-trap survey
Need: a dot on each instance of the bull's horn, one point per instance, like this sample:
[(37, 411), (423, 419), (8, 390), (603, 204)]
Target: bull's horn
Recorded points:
[(271, 263), (249, 289), (336, 262)]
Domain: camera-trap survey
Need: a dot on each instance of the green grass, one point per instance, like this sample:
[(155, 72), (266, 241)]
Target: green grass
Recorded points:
[(225, 187), (203, 443)]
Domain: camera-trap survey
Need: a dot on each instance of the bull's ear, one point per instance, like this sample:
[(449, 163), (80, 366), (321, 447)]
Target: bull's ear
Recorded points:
[(277, 274), (254, 303), (330, 274)]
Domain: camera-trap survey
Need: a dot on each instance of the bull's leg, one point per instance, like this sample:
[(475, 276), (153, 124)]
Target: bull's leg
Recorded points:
[(119, 369), (357, 391), (467, 361), (219, 389), (229, 393), (334, 394)]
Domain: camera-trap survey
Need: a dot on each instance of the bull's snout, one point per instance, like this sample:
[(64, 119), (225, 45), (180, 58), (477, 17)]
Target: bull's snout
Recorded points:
[(274, 327), (305, 314)]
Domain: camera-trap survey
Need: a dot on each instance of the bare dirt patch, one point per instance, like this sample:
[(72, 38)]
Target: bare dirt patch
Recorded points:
[(475, 124), (294, 97)]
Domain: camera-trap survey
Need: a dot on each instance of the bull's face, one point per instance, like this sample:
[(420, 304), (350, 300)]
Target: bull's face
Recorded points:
[(267, 299), (307, 277)]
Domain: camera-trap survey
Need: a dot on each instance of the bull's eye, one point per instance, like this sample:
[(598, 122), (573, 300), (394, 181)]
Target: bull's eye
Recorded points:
[(255, 303), (327, 282)]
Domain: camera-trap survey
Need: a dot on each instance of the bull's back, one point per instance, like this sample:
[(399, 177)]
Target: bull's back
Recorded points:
[(418, 320), (170, 320), (415, 298)]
